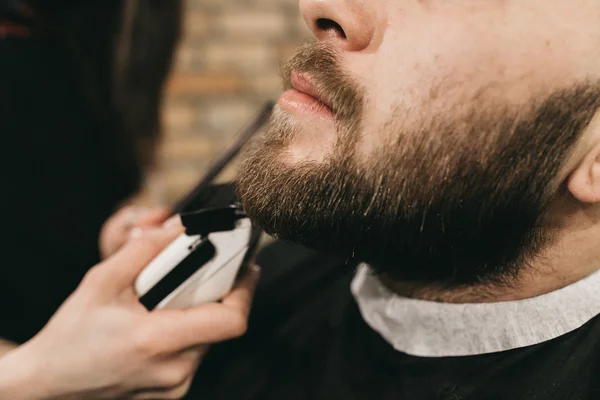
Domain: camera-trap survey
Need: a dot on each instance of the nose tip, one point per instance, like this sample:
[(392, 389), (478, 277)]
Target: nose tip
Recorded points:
[(347, 24)]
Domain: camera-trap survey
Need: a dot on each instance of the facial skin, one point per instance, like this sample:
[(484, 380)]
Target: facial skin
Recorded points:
[(456, 127)]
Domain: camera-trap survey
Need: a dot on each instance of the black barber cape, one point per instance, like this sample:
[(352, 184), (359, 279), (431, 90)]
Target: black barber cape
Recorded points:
[(308, 341)]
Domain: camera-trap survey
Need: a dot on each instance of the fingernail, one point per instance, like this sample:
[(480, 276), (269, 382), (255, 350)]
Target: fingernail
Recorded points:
[(131, 217), (172, 222), (135, 233), (255, 269)]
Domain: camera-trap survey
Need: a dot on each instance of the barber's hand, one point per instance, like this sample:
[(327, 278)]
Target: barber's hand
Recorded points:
[(128, 221), (103, 344)]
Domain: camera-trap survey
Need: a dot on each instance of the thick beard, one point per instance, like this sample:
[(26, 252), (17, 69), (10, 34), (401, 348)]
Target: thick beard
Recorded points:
[(465, 209)]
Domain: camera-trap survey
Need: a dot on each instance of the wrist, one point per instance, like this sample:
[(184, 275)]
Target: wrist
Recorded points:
[(21, 377)]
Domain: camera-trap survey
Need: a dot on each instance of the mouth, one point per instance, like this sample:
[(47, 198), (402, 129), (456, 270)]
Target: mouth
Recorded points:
[(305, 98)]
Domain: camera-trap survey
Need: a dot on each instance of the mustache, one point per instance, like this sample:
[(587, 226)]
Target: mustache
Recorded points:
[(320, 62)]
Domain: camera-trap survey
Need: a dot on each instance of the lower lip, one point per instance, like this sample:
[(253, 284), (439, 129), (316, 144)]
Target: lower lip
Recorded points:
[(295, 101)]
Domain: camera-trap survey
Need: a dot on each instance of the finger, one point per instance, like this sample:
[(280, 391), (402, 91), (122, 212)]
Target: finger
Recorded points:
[(174, 220), (116, 224), (241, 296), (170, 223), (164, 394), (180, 391), (122, 268), (152, 218), (209, 323), (172, 378), (125, 218)]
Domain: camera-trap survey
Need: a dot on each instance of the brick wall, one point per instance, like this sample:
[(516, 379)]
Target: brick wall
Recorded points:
[(227, 66)]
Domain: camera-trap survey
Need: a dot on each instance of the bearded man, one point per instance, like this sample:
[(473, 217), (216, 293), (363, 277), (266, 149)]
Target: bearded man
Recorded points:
[(442, 158)]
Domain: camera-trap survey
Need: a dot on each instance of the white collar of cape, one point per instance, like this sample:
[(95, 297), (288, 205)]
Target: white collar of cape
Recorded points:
[(432, 329)]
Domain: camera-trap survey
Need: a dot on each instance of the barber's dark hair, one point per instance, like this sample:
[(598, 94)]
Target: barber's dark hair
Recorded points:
[(122, 51)]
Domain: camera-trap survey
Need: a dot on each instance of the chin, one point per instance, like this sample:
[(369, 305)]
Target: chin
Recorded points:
[(296, 154), (302, 138)]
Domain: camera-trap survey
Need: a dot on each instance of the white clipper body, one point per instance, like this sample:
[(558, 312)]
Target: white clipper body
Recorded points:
[(195, 269)]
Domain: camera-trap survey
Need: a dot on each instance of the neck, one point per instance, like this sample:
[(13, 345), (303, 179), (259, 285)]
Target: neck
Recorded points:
[(573, 254)]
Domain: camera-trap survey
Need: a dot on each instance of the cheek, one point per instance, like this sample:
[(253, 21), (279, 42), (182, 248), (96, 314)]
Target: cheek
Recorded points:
[(448, 58), (435, 65), (428, 69), (411, 80)]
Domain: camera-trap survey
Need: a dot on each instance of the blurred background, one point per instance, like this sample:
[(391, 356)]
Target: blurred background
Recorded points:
[(226, 66), (79, 108)]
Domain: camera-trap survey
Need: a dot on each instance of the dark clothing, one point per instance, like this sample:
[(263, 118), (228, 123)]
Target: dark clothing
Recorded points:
[(307, 340), (59, 183)]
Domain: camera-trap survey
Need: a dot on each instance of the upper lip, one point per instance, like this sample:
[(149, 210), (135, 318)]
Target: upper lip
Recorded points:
[(302, 83)]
